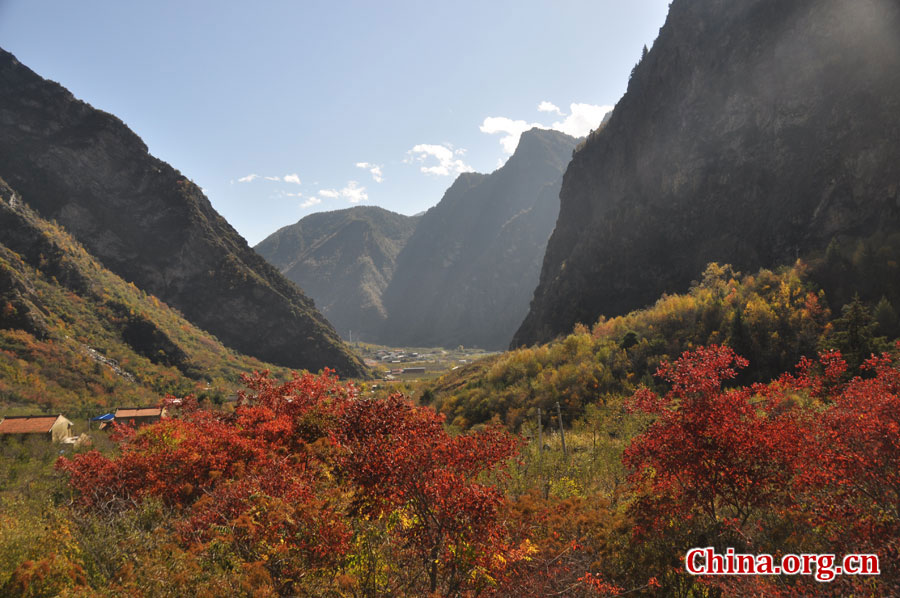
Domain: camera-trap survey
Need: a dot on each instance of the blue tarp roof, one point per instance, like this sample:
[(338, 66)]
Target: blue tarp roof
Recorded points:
[(103, 418)]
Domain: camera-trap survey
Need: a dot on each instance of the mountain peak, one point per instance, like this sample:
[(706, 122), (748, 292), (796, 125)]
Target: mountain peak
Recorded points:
[(538, 144), (466, 274), (541, 134)]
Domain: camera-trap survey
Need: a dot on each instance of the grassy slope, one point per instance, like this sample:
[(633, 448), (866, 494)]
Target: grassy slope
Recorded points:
[(76, 337)]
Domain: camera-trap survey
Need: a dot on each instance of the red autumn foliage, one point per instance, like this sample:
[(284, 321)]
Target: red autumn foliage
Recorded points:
[(713, 454), (600, 587), (808, 463), (400, 456), (321, 492), (302, 470), (851, 473)]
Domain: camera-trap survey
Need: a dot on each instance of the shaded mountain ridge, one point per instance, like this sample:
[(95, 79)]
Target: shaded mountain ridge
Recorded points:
[(74, 336), (344, 259), (149, 224)]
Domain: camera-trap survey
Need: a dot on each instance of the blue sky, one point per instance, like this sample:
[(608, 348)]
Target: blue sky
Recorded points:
[(280, 109)]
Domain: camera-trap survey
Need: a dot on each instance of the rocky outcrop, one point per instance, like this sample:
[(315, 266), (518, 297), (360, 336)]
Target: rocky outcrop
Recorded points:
[(751, 133), (468, 271), (344, 260), (150, 225)]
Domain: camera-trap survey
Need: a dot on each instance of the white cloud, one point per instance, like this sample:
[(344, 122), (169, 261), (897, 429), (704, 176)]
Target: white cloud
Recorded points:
[(546, 106), (449, 159), (582, 119), (511, 130), (352, 192), (374, 170), (288, 178), (312, 201)]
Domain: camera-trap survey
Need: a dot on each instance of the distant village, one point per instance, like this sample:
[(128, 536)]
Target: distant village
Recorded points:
[(400, 356), (431, 362)]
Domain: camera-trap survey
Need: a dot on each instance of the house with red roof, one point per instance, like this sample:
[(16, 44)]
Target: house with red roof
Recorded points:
[(139, 416), (55, 428)]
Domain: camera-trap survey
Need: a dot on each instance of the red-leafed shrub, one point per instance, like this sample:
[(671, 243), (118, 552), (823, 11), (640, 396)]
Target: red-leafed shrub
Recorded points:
[(320, 486), (809, 463)]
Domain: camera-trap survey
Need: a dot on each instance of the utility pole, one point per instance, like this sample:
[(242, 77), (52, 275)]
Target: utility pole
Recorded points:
[(562, 433), (544, 484), (540, 434)]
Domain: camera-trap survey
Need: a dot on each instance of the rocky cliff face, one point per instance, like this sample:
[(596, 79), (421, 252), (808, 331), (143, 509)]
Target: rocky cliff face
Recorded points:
[(344, 259), (752, 133), (149, 224), (467, 272)]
